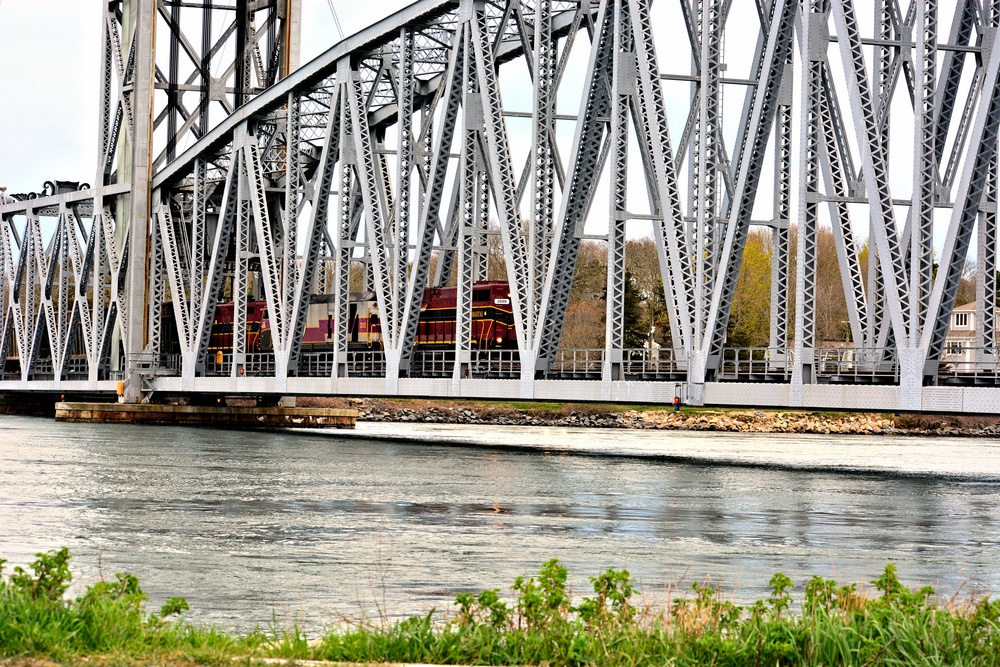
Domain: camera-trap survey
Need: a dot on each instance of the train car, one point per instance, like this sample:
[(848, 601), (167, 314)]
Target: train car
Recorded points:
[(221, 337), (364, 331), (492, 322), (492, 318)]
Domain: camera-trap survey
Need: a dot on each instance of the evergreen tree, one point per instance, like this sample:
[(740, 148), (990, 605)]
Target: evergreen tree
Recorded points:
[(636, 329), (635, 332)]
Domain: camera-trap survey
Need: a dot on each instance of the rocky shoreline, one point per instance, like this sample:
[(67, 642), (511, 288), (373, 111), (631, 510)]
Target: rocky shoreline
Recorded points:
[(751, 421)]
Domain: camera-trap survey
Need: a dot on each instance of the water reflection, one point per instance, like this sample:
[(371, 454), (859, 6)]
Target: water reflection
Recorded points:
[(246, 523)]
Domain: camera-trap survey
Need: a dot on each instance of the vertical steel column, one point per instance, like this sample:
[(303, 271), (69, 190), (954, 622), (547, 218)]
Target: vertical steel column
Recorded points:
[(809, 152), (157, 287), (198, 231), (98, 272), (782, 215), (293, 133), (481, 227), (620, 101), (241, 281), (401, 241), (883, 91), (345, 240), (986, 248), (986, 265), (710, 14), (924, 167), (5, 301), (144, 50), (7, 311), (468, 205), (293, 35), (543, 167)]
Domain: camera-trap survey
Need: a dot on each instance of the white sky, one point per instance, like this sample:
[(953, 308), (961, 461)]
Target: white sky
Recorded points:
[(50, 77)]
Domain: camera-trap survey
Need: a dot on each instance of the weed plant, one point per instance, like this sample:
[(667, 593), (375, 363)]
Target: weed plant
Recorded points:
[(537, 625), (36, 619)]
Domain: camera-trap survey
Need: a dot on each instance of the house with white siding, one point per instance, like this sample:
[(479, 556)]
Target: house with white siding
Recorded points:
[(960, 342)]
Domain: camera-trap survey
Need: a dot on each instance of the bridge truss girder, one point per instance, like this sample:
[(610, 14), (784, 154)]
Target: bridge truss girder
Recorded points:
[(394, 160)]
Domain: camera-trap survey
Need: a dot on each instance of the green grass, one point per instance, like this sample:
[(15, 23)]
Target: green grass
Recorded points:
[(537, 625)]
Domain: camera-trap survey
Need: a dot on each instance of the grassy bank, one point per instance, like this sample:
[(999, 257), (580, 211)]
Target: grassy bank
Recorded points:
[(536, 624)]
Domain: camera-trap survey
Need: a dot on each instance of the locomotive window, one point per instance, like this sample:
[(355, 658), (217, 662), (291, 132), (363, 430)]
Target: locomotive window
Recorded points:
[(480, 295)]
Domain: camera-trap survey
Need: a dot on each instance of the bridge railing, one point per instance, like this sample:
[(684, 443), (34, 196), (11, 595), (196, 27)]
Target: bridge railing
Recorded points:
[(662, 363), (757, 364), (316, 364), (44, 369), (432, 363), (77, 367), (153, 364), (368, 364), (259, 364), (970, 366), (219, 365), (495, 364), (857, 365), (582, 364)]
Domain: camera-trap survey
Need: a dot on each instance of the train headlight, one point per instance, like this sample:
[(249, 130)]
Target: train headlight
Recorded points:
[(499, 340)]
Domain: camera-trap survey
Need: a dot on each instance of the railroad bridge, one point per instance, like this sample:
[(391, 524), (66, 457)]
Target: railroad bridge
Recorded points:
[(228, 174)]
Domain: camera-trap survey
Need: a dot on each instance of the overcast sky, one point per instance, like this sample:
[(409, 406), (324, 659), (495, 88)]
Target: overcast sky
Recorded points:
[(50, 73)]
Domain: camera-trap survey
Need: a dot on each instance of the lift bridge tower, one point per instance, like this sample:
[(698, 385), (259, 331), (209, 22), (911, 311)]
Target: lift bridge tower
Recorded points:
[(171, 70)]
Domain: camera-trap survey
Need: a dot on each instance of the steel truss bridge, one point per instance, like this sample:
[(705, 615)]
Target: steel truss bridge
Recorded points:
[(226, 172)]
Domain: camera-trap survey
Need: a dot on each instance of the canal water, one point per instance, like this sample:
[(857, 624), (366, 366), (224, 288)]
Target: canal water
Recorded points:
[(253, 527)]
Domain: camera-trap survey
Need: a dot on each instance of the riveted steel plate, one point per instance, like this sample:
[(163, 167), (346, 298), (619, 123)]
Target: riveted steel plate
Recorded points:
[(942, 399), (568, 390), (745, 393)]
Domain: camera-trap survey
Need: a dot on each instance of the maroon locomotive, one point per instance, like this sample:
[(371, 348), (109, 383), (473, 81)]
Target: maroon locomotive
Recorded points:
[(492, 322)]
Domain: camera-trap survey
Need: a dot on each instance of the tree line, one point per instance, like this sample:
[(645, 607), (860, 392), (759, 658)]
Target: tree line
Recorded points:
[(749, 325), (646, 318)]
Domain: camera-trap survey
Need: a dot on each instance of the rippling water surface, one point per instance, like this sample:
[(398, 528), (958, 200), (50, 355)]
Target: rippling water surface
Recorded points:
[(247, 524)]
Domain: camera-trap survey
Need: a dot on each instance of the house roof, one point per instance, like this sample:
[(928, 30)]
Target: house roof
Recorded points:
[(968, 306)]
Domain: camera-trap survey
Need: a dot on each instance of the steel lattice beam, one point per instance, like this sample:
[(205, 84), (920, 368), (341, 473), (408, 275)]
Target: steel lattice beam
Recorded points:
[(395, 161)]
